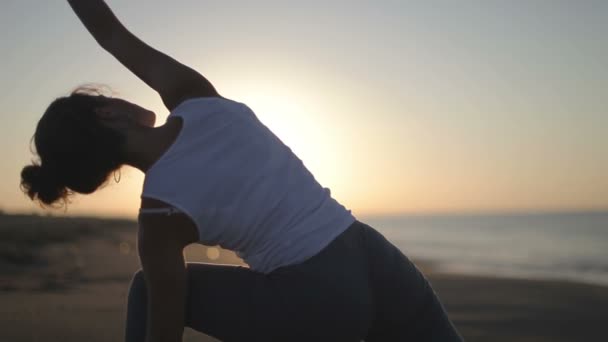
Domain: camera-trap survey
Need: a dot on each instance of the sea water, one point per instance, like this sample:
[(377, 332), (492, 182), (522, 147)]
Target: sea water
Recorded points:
[(565, 246)]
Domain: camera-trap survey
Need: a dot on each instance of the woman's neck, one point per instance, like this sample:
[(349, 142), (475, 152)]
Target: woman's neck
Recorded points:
[(145, 145)]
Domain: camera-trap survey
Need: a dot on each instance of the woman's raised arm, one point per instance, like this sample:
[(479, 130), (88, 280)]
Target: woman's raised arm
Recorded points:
[(173, 81)]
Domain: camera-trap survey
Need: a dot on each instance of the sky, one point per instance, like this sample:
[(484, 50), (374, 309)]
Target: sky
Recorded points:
[(396, 106)]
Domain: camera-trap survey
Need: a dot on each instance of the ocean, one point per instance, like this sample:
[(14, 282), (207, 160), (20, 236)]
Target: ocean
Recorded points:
[(564, 246)]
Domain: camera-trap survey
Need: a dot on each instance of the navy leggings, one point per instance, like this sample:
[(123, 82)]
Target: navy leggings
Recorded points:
[(360, 287)]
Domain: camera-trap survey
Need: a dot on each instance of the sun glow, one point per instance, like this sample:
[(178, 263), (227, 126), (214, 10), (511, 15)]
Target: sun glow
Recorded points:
[(291, 118)]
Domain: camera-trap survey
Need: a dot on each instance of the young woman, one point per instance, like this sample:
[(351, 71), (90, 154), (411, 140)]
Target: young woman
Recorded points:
[(214, 174)]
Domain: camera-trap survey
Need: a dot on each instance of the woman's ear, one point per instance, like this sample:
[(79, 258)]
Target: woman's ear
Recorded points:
[(112, 118)]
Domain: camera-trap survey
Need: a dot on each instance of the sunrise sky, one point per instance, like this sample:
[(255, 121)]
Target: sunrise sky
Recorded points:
[(396, 106)]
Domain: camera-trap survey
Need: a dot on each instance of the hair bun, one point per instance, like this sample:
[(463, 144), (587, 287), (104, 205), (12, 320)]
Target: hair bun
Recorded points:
[(37, 182)]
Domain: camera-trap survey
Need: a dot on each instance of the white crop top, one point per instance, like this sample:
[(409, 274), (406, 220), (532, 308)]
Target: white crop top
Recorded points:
[(243, 188)]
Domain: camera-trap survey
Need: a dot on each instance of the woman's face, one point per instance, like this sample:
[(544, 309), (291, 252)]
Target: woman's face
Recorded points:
[(117, 111)]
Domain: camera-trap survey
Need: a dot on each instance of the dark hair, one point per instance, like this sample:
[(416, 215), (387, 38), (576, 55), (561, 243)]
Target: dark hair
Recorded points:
[(76, 152)]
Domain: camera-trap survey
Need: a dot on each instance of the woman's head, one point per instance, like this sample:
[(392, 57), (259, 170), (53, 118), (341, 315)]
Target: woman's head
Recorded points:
[(80, 140)]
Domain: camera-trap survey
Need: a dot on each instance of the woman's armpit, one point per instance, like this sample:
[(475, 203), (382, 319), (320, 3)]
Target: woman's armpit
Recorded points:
[(165, 222)]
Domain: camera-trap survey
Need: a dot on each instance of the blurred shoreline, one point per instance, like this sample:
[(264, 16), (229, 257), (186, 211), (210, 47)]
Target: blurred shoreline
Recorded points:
[(67, 278), (558, 246)]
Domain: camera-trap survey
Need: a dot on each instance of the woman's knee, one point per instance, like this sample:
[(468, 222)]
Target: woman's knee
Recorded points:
[(137, 297), (138, 281)]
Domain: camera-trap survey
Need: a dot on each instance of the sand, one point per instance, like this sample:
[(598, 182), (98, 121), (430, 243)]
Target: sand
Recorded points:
[(67, 280)]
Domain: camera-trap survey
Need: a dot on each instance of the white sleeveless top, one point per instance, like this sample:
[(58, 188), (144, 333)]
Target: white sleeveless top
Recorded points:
[(243, 188)]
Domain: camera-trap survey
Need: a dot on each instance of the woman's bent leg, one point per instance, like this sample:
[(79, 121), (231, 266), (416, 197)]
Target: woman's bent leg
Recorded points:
[(324, 299)]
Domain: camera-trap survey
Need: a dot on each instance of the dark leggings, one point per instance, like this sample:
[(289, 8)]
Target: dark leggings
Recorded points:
[(360, 287)]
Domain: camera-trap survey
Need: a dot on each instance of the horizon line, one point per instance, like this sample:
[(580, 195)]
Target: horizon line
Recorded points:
[(436, 213)]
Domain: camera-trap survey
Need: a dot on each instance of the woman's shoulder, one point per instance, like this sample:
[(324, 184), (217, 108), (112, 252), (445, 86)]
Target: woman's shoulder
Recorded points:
[(208, 104)]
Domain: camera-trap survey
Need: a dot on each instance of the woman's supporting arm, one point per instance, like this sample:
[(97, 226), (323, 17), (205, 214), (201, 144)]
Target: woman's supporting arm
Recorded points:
[(173, 81), (160, 243), (166, 280)]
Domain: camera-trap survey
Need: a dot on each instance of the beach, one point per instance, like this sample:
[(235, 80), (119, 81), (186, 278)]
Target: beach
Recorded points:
[(66, 279)]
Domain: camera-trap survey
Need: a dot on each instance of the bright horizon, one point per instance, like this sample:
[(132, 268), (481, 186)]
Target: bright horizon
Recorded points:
[(413, 108)]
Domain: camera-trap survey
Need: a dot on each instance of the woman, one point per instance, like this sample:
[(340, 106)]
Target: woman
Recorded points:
[(216, 175)]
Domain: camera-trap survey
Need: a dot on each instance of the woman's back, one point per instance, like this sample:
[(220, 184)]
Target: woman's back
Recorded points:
[(243, 188)]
